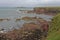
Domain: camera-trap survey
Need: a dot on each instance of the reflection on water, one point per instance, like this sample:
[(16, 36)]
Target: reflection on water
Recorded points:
[(13, 15)]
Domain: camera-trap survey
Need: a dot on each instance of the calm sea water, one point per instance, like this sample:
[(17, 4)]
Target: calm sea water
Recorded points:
[(13, 13)]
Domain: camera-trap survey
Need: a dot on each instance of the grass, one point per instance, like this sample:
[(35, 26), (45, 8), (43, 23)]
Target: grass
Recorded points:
[(54, 36), (54, 30)]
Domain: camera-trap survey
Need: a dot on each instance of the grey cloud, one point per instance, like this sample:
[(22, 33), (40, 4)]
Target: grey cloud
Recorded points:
[(29, 3)]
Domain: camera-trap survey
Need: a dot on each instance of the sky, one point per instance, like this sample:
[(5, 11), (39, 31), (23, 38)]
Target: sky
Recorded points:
[(28, 3)]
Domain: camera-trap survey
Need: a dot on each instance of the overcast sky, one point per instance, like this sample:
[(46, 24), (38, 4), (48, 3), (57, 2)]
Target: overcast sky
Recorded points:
[(28, 3)]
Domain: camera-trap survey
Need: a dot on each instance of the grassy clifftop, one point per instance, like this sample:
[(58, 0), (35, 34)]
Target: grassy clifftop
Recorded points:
[(54, 30)]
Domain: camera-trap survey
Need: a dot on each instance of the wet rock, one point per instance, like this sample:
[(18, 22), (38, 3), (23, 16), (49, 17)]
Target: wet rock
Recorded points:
[(4, 19), (1, 19), (18, 19), (31, 26), (29, 18)]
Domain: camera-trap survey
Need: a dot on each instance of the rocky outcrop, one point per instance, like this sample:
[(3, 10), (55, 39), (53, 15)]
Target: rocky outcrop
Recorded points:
[(47, 10)]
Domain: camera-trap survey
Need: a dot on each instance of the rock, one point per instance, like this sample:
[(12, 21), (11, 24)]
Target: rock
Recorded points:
[(18, 19)]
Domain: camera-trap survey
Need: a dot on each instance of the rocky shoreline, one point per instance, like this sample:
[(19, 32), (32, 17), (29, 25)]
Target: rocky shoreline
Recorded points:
[(28, 30), (31, 30), (43, 10)]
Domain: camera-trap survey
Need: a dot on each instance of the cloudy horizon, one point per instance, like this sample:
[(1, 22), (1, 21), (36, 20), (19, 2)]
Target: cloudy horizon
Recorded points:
[(28, 3)]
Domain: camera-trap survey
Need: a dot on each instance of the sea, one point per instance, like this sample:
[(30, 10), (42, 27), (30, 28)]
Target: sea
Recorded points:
[(13, 13)]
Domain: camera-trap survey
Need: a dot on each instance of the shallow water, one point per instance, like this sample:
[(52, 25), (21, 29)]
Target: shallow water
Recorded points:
[(13, 14)]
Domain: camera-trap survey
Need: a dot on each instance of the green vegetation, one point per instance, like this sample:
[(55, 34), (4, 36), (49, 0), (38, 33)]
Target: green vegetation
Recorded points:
[(54, 30)]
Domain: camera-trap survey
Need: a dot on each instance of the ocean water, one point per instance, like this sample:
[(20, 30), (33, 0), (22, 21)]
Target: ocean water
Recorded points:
[(13, 14)]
